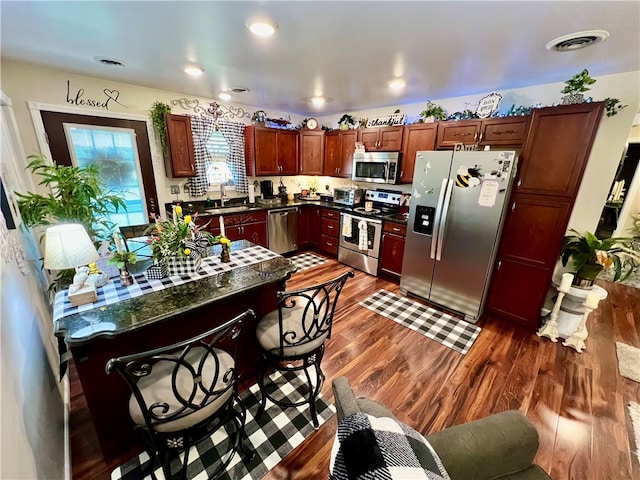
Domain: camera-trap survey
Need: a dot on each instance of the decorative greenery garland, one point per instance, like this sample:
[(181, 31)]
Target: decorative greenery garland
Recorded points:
[(158, 111)]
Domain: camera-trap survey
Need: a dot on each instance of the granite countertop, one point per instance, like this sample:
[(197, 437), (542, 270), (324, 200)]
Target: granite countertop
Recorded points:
[(126, 315), (231, 208)]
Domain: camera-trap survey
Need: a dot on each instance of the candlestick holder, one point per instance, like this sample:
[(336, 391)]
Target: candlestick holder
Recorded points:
[(550, 329), (225, 254), (577, 338), (125, 277)]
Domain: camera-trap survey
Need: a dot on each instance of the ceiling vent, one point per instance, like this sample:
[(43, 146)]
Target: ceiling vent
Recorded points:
[(239, 90), (109, 62), (575, 41)]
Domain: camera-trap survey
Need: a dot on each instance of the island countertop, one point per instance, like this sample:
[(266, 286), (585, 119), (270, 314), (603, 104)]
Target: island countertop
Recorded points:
[(156, 306)]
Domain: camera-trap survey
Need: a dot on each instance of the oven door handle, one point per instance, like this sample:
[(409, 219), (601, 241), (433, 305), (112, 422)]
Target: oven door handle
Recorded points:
[(443, 220), (436, 221), (368, 220)]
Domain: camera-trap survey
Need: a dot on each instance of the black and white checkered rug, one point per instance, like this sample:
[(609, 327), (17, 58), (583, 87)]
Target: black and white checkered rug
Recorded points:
[(441, 327), (274, 435), (306, 260)]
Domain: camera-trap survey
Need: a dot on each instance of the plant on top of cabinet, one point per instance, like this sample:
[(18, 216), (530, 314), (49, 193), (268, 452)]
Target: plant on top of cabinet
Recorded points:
[(432, 113), (576, 86), (612, 107), (158, 109), (346, 122)]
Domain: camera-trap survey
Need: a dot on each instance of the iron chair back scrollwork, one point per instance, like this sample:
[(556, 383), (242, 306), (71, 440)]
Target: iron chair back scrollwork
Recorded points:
[(182, 393), (292, 339)]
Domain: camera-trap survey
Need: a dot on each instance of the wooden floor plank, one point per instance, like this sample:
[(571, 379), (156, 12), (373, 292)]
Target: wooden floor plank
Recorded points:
[(577, 401)]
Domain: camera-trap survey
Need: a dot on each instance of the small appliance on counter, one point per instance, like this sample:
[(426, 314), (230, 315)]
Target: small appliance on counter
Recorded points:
[(266, 188), (348, 196)]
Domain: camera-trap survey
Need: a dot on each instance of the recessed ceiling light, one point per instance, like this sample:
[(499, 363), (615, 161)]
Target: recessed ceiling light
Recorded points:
[(262, 27), (110, 62), (318, 101), (224, 96), (397, 84), (194, 70), (575, 41)]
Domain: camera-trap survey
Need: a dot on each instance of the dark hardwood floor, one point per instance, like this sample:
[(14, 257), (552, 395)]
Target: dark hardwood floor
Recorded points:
[(578, 402)]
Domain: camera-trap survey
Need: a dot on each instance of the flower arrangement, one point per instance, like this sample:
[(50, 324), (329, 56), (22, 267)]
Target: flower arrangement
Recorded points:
[(179, 237)]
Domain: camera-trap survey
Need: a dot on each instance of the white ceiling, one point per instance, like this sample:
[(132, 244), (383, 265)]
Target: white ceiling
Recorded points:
[(345, 50)]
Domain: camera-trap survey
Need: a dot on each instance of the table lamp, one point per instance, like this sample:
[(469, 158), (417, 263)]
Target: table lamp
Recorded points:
[(69, 246)]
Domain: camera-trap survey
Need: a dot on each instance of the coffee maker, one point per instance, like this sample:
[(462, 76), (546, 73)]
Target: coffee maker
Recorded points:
[(266, 187)]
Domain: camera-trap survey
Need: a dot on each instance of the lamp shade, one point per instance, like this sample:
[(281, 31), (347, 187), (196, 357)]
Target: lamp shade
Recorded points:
[(68, 246)]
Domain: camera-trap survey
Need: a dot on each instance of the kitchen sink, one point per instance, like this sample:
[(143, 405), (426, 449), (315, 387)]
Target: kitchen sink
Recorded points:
[(223, 210)]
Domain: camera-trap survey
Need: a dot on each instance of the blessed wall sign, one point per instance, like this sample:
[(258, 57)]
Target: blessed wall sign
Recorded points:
[(76, 97)]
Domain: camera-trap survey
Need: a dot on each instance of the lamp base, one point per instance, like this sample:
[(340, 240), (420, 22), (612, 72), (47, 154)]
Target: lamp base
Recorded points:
[(86, 294)]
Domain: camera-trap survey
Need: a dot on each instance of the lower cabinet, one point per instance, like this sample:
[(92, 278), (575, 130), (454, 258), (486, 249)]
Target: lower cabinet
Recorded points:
[(329, 231), (309, 220), (245, 226), (392, 249)]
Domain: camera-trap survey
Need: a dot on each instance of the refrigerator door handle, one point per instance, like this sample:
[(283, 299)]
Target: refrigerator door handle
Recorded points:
[(436, 221), (443, 220)]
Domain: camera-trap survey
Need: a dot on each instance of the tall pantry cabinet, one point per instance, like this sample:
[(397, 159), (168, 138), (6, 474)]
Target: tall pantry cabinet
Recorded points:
[(551, 166)]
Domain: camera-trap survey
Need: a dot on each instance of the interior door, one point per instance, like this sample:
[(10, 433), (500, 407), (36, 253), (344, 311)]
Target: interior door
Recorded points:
[(119, 146)]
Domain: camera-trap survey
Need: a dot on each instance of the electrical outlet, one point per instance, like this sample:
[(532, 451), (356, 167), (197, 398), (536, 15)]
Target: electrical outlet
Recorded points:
[(175, 189)]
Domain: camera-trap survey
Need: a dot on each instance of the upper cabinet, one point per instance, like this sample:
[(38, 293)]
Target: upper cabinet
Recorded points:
[(311, 152), (381, 139), (502, 131), (271, 151), (338, 152), (179, 158), (417, 137)]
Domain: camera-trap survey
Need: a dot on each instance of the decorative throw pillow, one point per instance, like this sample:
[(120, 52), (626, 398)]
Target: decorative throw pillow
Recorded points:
[(367, 447)]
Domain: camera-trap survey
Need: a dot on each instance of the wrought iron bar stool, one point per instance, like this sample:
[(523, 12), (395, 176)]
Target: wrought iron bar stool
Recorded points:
[(292, 339), (182, 393)]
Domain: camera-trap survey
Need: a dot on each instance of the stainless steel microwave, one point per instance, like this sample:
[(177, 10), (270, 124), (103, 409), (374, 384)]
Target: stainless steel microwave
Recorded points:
[(376, 167)]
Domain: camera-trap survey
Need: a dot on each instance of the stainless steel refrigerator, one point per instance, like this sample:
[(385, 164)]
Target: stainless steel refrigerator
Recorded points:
[(457, 209)]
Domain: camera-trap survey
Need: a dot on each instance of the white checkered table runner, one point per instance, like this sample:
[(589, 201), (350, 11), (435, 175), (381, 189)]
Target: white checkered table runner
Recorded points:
[(113, 292)]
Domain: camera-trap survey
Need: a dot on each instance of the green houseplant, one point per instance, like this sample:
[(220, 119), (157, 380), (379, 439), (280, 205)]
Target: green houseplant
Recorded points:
[(590, 255), (158, 110), (576, 86), (432, 113), (76, 194)]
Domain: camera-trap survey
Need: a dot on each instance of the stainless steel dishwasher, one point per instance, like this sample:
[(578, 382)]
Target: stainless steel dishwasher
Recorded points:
[(282, 225)]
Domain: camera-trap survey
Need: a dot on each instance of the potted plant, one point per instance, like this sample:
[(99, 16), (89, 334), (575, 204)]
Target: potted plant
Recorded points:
[(76, 194), (576, 86), (346, 122), (590, 255), (432, 113)]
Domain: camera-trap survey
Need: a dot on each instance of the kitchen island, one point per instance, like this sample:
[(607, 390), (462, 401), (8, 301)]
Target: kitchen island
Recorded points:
[(166, 314)]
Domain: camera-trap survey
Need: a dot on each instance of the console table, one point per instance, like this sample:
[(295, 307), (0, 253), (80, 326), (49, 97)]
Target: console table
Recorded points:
[(95, 334)]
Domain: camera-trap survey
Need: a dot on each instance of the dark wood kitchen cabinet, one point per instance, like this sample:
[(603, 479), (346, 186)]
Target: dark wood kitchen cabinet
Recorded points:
[(500, 131), (417, 137), (381, 139), (179, 158), (311, 152), (243, 226), (309, 223), (339, 146), (271, 151), (551, 166), (392, 249), (329, 231)]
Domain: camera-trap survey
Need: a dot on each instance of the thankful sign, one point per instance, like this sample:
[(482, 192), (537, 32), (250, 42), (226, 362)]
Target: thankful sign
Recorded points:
[(387, 121), (78, 98)]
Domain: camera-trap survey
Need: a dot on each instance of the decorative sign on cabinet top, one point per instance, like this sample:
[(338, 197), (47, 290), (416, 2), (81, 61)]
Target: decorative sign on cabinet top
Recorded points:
[(386, 121), (488, 105)]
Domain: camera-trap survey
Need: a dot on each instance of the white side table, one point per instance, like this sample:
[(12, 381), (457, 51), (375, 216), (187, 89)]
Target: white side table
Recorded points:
[(572, 308)]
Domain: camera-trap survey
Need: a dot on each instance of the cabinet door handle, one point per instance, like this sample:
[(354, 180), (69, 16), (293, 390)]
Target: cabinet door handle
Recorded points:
[(395, 229), (329, 244), (401, 173), (519, 182), (499, 264), (513, 206)]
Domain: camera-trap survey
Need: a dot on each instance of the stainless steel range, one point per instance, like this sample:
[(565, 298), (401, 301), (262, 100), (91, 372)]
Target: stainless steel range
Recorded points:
[(361, 230)]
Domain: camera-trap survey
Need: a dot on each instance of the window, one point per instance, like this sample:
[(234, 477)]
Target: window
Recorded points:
[(218, 171), (114, 150)]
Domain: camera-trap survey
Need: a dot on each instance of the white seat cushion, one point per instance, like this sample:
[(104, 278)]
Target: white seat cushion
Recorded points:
[(157, 388), (268, 331)]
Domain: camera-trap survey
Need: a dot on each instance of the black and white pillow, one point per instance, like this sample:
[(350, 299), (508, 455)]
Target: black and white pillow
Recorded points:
[(367, 447)]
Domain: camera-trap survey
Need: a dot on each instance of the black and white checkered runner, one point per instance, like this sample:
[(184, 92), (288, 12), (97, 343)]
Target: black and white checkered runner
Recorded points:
[(441, 327), (113, 292), (307, 260), (275, 434)]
